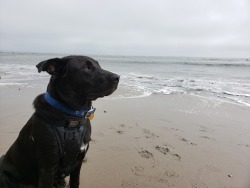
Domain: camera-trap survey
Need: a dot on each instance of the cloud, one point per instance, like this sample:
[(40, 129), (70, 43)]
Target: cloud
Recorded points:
[(141, 27)]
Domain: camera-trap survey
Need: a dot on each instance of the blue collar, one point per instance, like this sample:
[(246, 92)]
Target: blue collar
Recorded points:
[(76, 113)]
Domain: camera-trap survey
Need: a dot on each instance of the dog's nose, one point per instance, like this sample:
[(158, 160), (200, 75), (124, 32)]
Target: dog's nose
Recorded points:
[(115, 78)]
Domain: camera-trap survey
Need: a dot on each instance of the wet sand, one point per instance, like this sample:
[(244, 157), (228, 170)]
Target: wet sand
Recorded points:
[(157, 141)]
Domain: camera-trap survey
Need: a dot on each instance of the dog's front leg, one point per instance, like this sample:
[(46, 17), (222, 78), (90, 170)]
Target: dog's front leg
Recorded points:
[(46, 179), (75, 177)]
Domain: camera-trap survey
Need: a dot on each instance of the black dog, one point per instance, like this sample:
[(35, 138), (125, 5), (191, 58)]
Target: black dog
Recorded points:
[(54, 141)]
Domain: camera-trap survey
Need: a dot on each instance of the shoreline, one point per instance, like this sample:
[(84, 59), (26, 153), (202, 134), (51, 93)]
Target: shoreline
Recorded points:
[(154, 141)]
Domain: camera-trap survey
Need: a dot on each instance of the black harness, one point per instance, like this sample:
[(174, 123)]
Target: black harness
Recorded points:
[(72, 144), (71, 138)]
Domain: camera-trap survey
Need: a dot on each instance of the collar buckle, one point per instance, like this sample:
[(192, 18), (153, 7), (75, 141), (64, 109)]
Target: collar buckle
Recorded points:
[(90, 112)]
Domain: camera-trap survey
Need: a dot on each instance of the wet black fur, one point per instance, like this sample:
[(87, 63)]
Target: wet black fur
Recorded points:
[(34, 158)]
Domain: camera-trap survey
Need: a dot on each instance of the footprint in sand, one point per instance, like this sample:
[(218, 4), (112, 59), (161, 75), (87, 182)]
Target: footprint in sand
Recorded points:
[(122, 126), (175, 129), (148, 134), (171, 174), (145, 154), (138, 170), (162, 149), (163, 180), (168, 145), (165, 151), (119, 132), (176, 156), (207, 137), (203, 129), (188, 142)]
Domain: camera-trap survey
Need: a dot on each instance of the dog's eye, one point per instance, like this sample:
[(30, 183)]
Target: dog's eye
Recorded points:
[(86, 67)]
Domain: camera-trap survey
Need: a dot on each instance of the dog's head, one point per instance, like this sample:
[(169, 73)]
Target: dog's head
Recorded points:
[(80, 77)]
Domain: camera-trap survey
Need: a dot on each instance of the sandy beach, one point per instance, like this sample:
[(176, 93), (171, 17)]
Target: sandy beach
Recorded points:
[(156, 141)]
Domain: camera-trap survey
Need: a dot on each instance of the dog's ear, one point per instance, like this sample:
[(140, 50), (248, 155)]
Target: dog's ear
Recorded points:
[(51, 66)]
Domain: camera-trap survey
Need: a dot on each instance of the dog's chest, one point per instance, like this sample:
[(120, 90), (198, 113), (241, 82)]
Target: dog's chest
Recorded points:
[(71, 145)]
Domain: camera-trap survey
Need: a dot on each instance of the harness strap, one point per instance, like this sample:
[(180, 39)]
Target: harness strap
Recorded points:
[(70, 140)]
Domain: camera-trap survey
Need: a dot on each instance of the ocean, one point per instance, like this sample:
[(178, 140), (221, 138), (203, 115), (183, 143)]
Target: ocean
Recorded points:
[(222, 79)]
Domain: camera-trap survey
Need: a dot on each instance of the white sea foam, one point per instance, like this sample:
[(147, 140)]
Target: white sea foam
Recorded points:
[(244, 103), (236, 94), (209, 87), (222, 79), (12, 84)]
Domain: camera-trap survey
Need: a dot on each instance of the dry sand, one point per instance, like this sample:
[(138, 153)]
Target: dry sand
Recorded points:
[(158, 141)]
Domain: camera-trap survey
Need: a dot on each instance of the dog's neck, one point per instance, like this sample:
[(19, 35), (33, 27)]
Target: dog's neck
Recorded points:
[(69, 99), (74, 113)]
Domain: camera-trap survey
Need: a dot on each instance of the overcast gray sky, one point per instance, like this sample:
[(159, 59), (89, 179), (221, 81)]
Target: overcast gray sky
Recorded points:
[(211, 28)]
